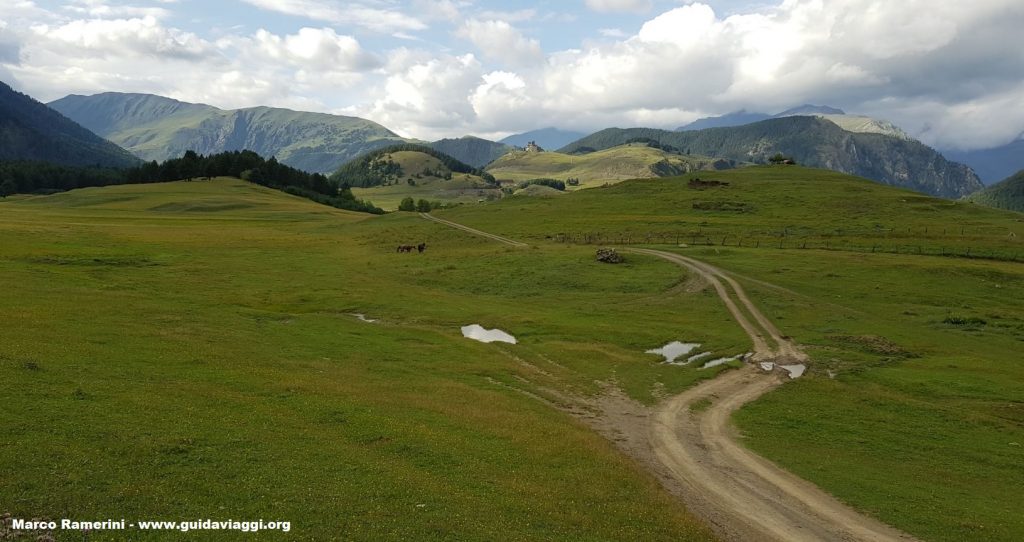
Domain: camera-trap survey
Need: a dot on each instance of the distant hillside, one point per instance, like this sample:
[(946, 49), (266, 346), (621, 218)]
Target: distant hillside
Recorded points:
[(604, 166), (742, 117), (31, 131), (850, 123), (813, 142), (810, 110), (474, 151), (548, 138), (158, 128), (992, 164), (736, 118), (1007, 194)]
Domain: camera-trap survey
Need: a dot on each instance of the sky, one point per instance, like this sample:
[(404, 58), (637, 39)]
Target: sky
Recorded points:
[(950, 73)]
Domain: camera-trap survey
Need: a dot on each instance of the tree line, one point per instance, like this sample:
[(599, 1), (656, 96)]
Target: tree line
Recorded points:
[(45, 178)]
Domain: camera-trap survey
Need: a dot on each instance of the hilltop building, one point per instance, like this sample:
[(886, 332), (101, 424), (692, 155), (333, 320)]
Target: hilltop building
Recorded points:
[(532, 146)]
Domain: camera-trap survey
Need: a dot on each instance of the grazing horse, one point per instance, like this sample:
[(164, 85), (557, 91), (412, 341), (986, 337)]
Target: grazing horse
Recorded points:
[(421, 247), (405, 248)]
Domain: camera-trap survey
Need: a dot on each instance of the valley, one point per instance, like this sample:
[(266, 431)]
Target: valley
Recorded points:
[(613, 270)]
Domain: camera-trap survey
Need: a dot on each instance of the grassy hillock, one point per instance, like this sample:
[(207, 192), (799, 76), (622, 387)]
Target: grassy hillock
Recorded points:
[(598, 168), (389, 175), (1006, 194), (474, 151), (813, 142)]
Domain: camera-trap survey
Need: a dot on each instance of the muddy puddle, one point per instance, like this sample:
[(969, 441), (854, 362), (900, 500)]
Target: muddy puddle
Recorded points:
[(478, 333)]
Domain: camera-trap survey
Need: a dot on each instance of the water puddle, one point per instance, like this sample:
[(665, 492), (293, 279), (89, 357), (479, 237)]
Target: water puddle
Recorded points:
[(478, 333), (721, 361), (362, 318), (673, 351), (795, 371)]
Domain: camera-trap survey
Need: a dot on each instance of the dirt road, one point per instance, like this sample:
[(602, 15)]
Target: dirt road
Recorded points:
[(742, 495)]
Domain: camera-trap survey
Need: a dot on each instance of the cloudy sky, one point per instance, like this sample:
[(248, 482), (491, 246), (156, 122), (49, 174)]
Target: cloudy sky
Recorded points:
[(948, 72)]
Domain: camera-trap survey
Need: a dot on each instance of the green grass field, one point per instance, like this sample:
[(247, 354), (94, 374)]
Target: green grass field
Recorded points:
[(769, 207), (187, 350), (912, 409)]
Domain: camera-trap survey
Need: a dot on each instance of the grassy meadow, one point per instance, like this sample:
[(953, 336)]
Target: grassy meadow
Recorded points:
[(202, 336), (188, 350), (912, 408)]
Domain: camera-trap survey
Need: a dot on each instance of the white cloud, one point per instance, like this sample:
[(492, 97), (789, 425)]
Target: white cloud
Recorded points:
[(320, 48), (636, 6), (500, 40), (940, 69), (428, 99)]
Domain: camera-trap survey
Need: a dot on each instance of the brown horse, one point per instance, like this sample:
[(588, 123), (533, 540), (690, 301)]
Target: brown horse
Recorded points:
[(421, 247), (405, 248)]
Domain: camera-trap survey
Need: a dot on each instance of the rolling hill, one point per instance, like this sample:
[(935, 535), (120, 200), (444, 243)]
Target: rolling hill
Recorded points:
[(387, 176), (31, 131), (1007, 194), (474, 151), (158, 128), (611, 165), (814, 142)]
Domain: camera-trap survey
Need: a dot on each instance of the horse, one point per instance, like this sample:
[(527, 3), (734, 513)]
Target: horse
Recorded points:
[(421, 247), (405, 248)]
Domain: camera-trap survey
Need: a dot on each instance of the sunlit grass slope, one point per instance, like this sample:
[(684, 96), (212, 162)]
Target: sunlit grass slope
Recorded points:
[(607, 166), (188, 350)]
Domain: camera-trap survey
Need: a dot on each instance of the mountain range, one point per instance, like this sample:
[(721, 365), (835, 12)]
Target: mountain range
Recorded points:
[(547, 138), (741, 117), (158, 128), (33, 132), (992, 164), (814, 142)]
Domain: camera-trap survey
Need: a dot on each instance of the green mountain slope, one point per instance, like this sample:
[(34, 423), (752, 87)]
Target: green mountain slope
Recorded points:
[(813, 142), (30, 131), (474, 151), (158, 128), (1006, 194), (601, 167)]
